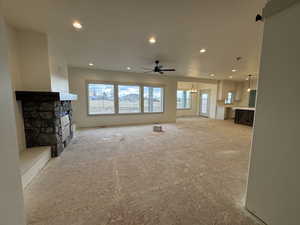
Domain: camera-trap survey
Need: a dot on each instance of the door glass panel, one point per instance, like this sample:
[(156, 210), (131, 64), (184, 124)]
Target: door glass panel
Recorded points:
[(204, 103)]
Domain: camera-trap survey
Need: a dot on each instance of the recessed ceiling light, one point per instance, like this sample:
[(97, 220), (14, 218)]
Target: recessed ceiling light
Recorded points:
[(152, 40), (230, 77), (128, 68), (234, 70), (202, 50), (91, 64), (77, 25)]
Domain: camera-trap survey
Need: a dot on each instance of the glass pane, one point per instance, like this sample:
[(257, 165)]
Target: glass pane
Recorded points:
[(180, 103), (153, 99), (188, 100), (184, 100), (158, 100), (204, 103), (229, 99), (129, 99), (101, 99)]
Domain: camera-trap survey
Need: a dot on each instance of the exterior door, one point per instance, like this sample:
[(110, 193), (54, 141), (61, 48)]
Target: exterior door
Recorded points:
[(204, 103)]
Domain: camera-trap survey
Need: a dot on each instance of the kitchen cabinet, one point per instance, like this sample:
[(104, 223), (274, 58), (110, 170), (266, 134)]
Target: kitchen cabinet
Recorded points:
[(224, 112), (244, 116)]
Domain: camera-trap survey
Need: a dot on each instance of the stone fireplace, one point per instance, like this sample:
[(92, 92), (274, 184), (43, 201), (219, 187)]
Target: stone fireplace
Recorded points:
[(47, 119)]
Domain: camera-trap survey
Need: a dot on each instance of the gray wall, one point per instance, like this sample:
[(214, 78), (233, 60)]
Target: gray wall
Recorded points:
[(11, 198), (274, 184)]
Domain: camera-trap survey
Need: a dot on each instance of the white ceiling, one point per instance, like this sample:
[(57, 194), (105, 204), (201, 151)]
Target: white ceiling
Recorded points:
[(116, 33)]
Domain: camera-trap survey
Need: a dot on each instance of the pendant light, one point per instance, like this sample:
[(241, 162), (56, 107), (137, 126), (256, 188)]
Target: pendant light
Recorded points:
[(249, 82)]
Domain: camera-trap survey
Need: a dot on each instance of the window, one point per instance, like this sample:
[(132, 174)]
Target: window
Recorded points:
[(184, 99), (129, 99), (107, 99), (229, 99), (101, 99), (153, 99)]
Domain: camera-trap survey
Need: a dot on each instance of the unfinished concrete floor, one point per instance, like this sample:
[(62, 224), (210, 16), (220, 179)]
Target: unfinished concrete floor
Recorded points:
[(194, 173)]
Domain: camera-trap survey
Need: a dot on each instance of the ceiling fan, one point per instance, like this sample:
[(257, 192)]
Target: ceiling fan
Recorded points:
[(158, 68)]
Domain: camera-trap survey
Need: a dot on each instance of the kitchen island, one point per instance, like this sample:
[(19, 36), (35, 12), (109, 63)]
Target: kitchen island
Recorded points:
[(244, 115)]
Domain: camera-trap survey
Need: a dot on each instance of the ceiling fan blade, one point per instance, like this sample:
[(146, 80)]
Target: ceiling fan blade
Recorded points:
[(148, 71), (144, 68), (168, 70)]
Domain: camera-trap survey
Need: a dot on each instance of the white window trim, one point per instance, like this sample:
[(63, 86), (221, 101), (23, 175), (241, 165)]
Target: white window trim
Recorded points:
[(88, 101), (140, 99), (116, 97), (163, 99)]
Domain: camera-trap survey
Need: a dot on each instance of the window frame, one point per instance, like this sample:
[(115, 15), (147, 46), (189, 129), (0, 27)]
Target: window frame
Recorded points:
[(191, 106), (140, 100), (163, 99), (116, 96), (232, 98), (88, 99)]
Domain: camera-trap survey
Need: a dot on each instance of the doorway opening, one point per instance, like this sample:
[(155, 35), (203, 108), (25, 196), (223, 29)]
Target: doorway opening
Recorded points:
[(196, 99)]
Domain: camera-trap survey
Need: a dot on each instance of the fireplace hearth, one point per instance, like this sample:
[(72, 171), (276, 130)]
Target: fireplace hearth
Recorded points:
[(48, 119)]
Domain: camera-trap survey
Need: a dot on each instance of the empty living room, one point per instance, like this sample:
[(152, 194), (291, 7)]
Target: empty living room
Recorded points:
[(149, 112)]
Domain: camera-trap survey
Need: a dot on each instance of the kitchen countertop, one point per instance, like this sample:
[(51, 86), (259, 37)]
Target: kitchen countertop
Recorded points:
[(244, 108)]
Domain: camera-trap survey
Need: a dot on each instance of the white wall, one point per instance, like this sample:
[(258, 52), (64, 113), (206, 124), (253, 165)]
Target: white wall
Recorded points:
[(14, 65), (11, 198), (244, 102), (34, 61), (14, 60), (78, 78), (58, 68), (42, 65), (274, 185)]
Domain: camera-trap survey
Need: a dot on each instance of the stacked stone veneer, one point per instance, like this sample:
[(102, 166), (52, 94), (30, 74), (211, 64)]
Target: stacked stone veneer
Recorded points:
[(42, 123)]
